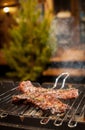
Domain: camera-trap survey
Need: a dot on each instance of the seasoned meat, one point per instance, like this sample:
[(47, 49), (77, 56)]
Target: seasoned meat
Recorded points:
[(46, 99), (43, 101), (26, 87)]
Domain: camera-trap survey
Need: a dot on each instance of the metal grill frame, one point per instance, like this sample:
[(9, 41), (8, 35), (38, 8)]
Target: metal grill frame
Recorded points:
[(17, 121)]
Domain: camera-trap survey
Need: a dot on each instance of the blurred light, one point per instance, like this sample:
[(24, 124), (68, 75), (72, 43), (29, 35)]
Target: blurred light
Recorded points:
[(13, 9), (6, 9)]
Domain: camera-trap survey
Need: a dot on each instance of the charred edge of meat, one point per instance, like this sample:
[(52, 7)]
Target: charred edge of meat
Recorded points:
[(54, 106)]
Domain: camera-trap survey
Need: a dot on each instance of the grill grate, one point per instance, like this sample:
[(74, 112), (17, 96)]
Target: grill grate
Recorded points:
[(72, 116)]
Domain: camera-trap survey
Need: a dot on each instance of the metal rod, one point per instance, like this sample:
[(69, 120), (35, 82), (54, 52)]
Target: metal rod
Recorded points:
[(63, 83), (3, 114), (39, 113), (72, 123), (82, 111), (6, 98), (56, 123), (8, 91), (45, 119), (23, 111), (27, 113), (32, 113)]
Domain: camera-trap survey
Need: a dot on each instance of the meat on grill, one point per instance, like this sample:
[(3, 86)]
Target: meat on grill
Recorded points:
[(26, 87), (46, 99), (43, 101)]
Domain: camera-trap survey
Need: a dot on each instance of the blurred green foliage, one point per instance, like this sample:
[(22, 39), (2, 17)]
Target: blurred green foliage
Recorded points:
[(30, 46)]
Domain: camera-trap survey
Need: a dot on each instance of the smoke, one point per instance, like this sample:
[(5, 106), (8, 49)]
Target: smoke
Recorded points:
[(76, 70), (70, 49)]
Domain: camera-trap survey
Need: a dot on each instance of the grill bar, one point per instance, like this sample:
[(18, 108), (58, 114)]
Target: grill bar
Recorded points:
[(83, 110), (33, 111), (59, 121), (3, 94), (72, 122), (45, 119)]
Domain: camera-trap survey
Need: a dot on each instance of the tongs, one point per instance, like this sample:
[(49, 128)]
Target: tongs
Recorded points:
[(46, 119)]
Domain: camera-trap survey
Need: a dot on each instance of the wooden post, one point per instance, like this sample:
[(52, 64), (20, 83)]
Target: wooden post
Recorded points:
[(75, 10)]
